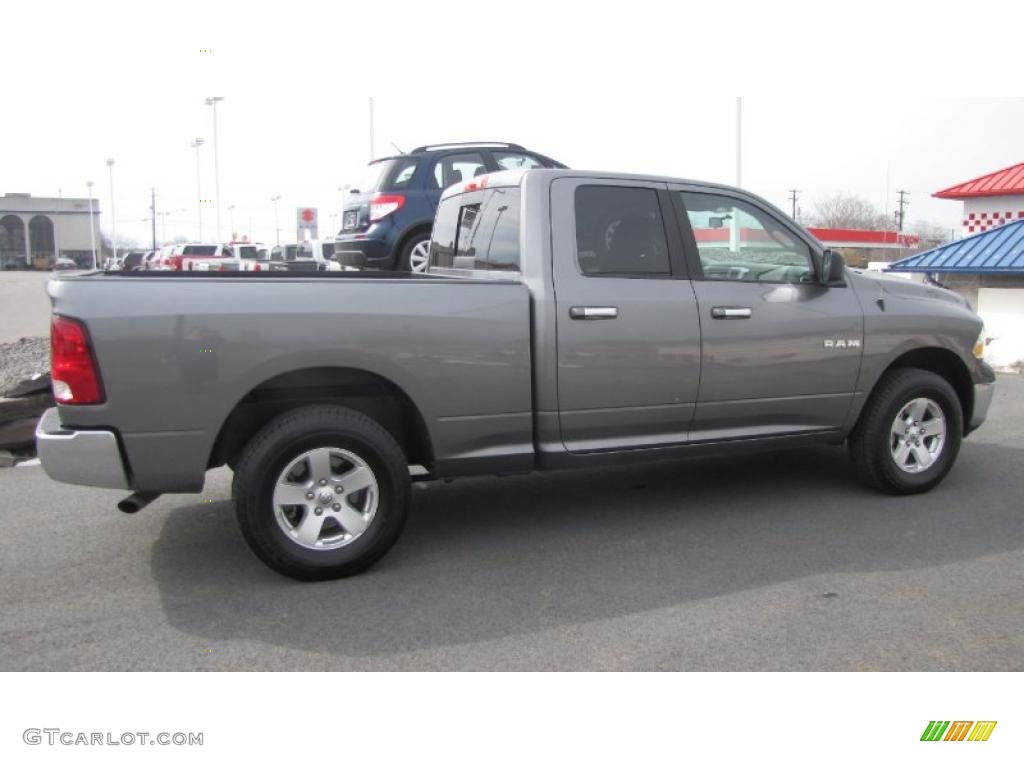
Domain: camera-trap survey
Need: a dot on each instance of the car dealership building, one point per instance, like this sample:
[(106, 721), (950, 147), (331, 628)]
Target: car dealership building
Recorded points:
[(34, 231)]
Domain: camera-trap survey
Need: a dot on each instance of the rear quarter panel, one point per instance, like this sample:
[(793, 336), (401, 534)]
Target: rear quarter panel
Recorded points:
[(177, 354)]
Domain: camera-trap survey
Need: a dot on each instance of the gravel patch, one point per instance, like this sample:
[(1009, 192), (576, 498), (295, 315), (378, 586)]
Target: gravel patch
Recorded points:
[(21, 359)]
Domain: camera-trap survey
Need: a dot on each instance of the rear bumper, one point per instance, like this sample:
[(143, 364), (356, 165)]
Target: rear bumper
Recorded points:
[(85, 457), (361, 251)]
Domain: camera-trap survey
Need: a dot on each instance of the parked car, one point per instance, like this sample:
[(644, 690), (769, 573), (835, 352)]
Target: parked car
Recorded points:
[(252, 257), (307, 256), (131, 260), (160, 259), (386, 219), (568, 319), (64, 263), (204, 257)]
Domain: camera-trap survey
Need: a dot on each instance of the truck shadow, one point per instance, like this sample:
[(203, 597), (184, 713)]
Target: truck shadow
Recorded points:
[(488, 558)]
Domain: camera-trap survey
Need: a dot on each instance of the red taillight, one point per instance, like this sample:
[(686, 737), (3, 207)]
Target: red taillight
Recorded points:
[(72, 369), (176, 262), (385, 205), (256, 268)]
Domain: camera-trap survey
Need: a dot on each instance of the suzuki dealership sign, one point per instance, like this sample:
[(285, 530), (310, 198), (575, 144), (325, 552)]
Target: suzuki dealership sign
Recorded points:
[(306, 223)]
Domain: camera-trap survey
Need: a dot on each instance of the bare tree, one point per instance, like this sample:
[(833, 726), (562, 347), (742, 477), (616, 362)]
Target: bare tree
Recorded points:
[(843, 211), (932, 234)]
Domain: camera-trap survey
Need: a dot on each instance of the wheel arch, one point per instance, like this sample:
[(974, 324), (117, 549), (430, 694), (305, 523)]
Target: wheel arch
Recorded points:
[(406, 237), (941, 361), (369, 393)]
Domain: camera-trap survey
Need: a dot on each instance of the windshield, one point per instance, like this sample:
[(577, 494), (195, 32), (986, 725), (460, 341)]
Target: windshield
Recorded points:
[(200, 250)]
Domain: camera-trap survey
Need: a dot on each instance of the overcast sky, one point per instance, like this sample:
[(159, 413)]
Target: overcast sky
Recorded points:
[(622, 91)]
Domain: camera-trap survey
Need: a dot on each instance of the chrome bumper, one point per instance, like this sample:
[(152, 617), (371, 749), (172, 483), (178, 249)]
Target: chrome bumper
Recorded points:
[(87, 457), (982, 400)]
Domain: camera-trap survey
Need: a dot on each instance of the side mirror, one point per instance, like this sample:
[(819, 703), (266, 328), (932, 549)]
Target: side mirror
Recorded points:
[(833, 267)]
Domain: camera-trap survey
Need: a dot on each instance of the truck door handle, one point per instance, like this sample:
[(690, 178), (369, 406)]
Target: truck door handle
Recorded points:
[(593, 313), (737, 313)]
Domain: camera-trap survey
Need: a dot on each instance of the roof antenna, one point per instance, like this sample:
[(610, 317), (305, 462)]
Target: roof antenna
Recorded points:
[(400, 150)]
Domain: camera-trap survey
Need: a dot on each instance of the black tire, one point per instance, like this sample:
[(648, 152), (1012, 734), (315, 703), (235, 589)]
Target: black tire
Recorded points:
[(404, 262), (280, 443), (870, 446)]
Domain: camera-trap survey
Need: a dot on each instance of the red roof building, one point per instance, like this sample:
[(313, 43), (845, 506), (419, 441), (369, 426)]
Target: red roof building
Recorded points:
[(990, 200), (1009, 181)]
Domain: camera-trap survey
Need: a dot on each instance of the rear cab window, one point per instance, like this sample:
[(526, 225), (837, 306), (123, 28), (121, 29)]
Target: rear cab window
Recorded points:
[(477, 231)]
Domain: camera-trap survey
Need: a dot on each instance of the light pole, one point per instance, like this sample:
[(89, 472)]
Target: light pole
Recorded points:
[(739, 141), (199, 187), (277, 227), (92, 228), (211, 101), (113, 218), (231, 221), (56, 226), (371, 130)]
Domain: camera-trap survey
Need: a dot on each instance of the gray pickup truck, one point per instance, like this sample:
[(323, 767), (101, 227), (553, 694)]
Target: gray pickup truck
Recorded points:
[(567, 319)]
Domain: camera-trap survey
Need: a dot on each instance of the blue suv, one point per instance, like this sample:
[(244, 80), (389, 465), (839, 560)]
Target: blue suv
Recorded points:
[(386, 221)]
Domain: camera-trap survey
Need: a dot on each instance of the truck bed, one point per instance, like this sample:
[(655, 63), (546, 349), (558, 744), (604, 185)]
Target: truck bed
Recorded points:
[(177, 352)]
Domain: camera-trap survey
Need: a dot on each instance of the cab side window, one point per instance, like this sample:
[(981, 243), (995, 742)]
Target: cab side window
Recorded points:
[(620, 232), (737, 241)]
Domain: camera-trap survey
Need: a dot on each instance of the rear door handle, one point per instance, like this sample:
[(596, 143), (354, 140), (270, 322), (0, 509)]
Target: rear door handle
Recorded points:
[(734, 313), (593, 313)]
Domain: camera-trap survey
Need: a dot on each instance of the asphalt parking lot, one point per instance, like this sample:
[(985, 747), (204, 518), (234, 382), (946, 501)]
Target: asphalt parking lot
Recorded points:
[(771, 562)]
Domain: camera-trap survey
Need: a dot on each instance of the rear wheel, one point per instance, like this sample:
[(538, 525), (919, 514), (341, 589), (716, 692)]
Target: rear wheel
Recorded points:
[(909, 433), (415, 256), (321, 492)]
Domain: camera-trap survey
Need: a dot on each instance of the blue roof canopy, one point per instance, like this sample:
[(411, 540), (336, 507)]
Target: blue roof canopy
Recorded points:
[(999, 251)]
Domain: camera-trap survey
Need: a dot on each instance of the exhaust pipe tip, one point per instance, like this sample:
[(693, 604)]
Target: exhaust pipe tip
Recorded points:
[(136, 501)]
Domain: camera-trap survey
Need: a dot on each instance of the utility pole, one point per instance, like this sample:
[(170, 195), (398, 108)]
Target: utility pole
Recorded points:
[(793, 198), (899, 213), (152, 208)]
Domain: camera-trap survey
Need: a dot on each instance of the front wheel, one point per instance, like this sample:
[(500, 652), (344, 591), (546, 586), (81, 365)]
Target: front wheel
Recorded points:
[(321, 492), (909, 433)]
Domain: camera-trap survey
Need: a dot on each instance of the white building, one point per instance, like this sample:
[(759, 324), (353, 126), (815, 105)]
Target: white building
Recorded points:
[(34, 231)]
